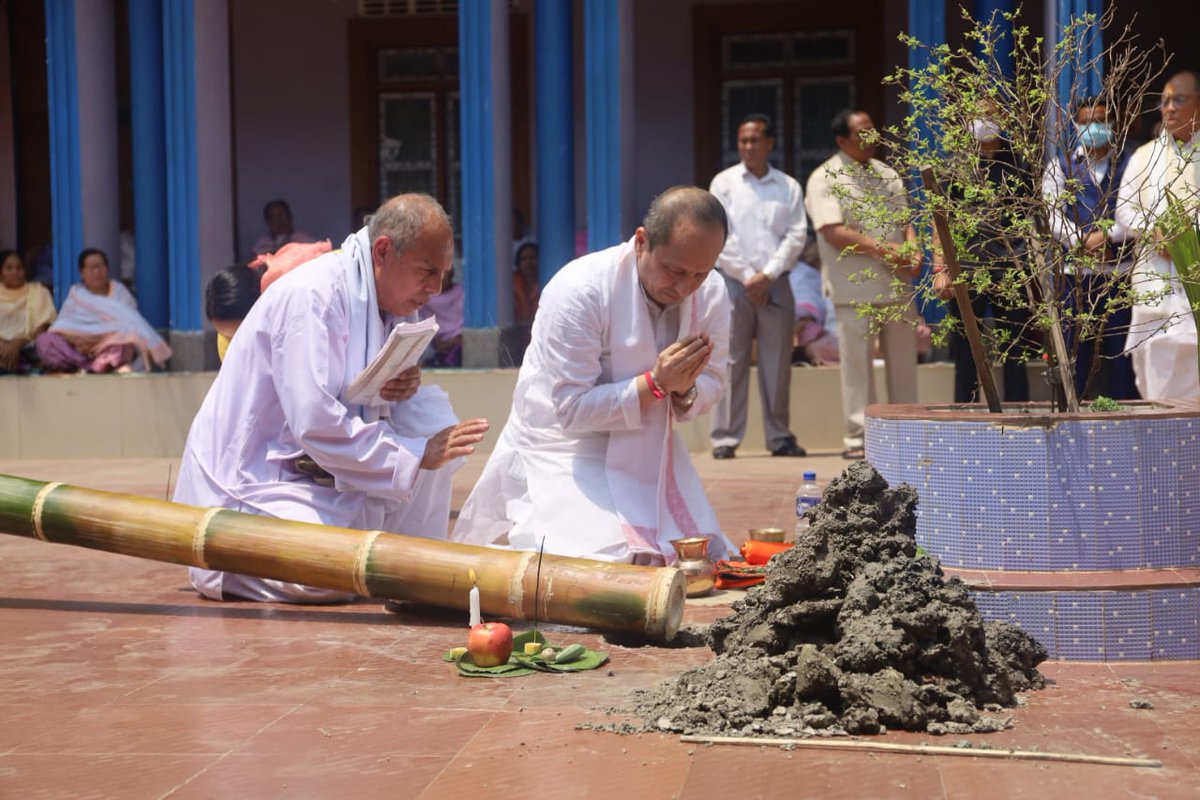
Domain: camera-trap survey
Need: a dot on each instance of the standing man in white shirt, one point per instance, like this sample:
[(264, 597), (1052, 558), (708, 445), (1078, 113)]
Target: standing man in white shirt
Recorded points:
[(767, 227)]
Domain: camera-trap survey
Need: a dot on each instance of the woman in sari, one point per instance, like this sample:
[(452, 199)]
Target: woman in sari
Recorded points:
[(99, 328), (26, 309)]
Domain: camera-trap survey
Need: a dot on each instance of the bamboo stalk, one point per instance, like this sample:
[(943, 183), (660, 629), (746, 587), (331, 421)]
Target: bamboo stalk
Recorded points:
[(573, 591), (966, 311), (922, 749)]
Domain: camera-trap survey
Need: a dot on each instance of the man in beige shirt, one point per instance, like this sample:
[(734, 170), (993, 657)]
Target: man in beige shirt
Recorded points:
[(861, 262)]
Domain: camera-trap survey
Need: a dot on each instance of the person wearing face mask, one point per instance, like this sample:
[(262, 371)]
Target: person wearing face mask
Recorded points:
[(993, 247), (1162, 332), (1093, 171)]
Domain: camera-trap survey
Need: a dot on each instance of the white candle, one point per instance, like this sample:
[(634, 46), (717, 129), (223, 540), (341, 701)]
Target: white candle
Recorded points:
[(474, 606), (474, 602)]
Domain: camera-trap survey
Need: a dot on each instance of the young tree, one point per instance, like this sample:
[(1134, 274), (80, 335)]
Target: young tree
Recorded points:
[(996, 223)]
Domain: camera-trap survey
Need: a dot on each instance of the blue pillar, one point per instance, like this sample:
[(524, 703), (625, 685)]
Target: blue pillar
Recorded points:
[(478, 163), (183, 218), (149, 159), (989, 10), (555, 136), (65, 183), (1076, 81), (602, 73), (927, 23)]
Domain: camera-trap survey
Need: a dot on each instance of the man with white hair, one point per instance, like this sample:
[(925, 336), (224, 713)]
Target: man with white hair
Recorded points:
[(276, 436)]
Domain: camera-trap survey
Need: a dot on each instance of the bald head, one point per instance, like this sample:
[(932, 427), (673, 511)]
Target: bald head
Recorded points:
[(678, 243), (683, 205), (406, 217)]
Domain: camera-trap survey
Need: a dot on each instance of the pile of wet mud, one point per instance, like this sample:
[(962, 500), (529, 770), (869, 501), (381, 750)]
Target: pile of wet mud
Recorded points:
[(853, 632)]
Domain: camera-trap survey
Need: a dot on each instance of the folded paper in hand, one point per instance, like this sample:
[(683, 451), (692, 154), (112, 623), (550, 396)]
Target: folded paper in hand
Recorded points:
[(402, 350)]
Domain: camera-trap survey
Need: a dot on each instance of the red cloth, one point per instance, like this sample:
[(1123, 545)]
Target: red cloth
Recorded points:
[(759, 553), (738, 575), (287, 258)]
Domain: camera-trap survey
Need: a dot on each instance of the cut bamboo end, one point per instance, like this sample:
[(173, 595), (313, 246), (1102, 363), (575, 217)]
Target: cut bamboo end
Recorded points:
[(664, 607)]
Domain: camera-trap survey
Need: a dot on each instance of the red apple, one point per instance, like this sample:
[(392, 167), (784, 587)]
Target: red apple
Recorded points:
[(490, 644)]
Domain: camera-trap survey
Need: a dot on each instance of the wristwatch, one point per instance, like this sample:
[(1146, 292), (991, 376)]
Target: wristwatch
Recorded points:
[(686, 399)]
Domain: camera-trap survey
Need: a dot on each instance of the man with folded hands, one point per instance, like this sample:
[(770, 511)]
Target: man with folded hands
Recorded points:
[(275, 436), (626, 342)]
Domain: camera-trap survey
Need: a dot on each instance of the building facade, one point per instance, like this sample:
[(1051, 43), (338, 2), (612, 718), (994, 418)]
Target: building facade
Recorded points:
[(161, 128)]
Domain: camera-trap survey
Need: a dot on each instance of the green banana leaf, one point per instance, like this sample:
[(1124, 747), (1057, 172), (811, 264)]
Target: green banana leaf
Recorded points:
[(520, 664), (1182, 241)]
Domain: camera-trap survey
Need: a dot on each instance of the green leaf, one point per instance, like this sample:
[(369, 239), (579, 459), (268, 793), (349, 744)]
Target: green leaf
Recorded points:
[(491, 672), (510, 669), (591, 659)]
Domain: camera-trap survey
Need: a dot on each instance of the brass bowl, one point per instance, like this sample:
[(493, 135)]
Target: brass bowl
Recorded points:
[(767, 534)]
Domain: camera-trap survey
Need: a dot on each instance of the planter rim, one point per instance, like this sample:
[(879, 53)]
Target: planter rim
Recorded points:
[(1034, 414)]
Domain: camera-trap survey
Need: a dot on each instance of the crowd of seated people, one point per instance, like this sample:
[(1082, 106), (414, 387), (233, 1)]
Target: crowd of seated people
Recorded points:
[(98, 329)]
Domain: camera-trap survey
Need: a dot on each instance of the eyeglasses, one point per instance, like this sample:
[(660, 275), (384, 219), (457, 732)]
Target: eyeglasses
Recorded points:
[(1176, 100)]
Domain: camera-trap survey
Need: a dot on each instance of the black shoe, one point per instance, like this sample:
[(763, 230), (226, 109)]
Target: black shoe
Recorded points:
[(724, 451), (789, 448)]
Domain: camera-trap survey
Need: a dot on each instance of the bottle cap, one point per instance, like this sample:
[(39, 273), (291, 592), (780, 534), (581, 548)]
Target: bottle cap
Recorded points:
[(810, 476)]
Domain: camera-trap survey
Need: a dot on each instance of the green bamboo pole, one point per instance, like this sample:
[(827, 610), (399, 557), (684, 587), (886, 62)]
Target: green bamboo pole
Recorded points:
[(574, 591)]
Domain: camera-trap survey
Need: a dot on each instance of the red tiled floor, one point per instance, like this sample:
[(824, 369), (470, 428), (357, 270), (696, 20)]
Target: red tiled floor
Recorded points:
[(186, 729), (96, 776), (116, 680), (313, 775), (772, 772)]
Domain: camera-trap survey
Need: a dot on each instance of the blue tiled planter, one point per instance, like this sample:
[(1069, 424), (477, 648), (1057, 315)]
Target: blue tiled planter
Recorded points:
[(1032, 492)]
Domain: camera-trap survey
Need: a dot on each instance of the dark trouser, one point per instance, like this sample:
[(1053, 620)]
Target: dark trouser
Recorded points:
[(1008, 325), (772, 326), (1101, 365)]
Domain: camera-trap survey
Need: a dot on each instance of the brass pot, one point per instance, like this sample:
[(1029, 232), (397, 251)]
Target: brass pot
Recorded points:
[(693, 561), (767, 534)]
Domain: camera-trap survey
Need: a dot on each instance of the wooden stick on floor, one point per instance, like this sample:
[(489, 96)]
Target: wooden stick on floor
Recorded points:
[(921, 749)]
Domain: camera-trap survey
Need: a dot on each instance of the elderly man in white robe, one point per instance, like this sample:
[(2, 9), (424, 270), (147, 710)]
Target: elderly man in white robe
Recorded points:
[(626, 342), (1162, 332), (275, 437)]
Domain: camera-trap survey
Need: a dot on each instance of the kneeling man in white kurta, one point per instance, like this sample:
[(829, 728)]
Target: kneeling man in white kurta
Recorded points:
[(625, 342), (275, 437)]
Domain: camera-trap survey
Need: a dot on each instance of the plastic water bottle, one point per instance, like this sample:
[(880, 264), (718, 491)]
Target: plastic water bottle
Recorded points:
[(807, 496)]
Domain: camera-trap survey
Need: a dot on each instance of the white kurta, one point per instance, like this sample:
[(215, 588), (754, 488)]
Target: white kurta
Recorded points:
[(1162, 334), (579, 463), (277, 397)]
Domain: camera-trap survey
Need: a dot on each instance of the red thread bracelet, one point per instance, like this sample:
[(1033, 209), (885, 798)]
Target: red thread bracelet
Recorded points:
[(658, 393)]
